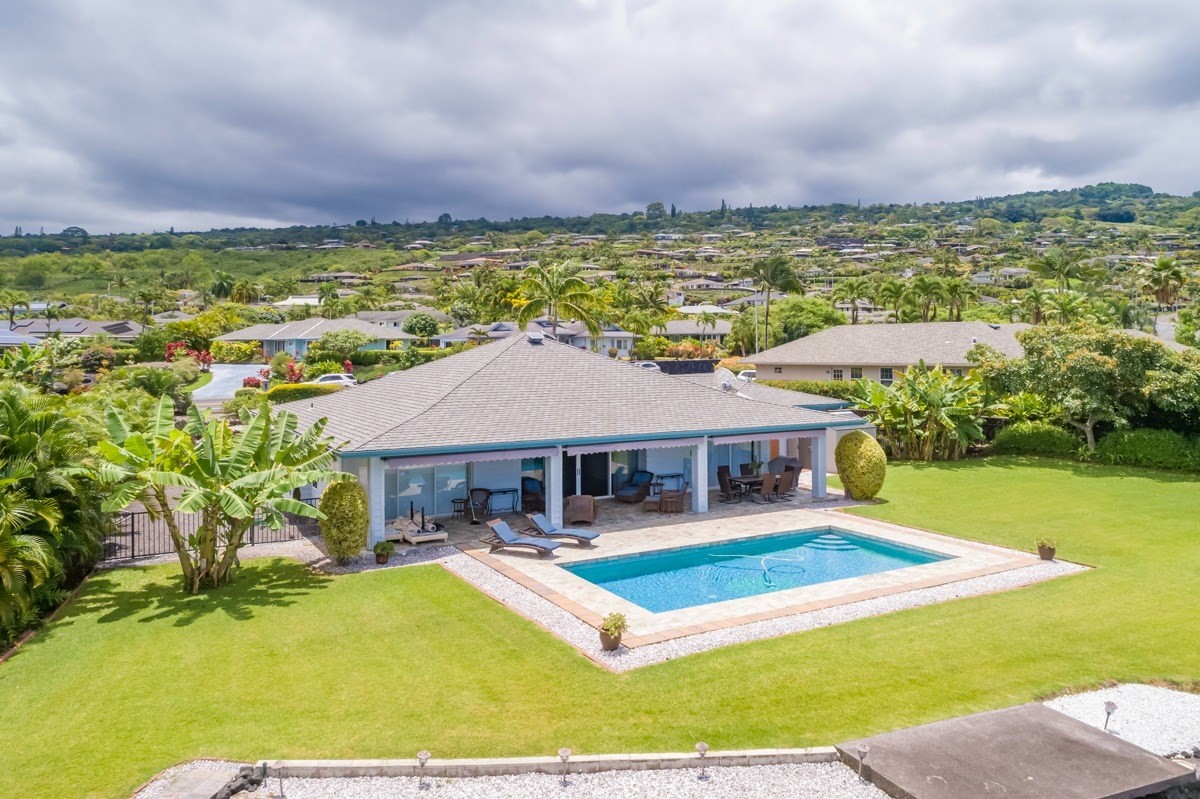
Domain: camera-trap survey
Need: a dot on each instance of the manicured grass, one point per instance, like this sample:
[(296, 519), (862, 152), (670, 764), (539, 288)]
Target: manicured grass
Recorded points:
[(284, 663), (203, 380)]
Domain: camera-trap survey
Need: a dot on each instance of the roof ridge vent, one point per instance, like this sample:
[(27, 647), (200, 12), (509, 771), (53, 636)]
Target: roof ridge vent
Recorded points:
[(536, 337)]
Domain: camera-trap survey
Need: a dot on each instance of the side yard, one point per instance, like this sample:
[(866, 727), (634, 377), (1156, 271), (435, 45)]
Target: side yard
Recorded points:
[(286, 663)]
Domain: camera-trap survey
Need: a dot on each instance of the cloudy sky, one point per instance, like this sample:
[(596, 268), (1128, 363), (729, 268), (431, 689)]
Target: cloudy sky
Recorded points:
[(140, 116)]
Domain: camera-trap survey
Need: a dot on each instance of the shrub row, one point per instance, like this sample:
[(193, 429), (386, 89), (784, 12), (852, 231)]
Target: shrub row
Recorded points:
[(291, 392), (838, 389), (1157, 449), (1037, 438)]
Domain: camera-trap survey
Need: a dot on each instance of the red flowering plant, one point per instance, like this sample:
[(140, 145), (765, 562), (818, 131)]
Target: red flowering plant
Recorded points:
[(180, 349)]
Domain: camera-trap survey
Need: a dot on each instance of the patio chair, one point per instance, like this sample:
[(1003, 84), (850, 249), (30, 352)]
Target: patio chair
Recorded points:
[(767, 490), (729, 492), (787, 484), (670, 501), (637, 489), (580, 509), (533, 497), (745, 470), (479, 504), (503, 537), (542, 527)]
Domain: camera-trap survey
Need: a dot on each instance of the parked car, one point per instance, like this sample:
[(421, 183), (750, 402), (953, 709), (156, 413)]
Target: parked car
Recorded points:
[(339, 379), (651, 365), (748, 374)]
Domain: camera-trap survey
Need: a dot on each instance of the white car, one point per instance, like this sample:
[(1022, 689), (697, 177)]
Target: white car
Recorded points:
[(651, 365), (339, 379), (748, 374)]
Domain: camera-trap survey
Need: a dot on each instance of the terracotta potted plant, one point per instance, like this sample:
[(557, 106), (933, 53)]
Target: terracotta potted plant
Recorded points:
[(383, 550), (611, 628), (1046, 548)]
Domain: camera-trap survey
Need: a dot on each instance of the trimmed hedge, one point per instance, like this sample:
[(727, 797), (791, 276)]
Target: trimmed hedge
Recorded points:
[(1036, 438), (1157, 449), (291, 392), (861, 464), (838, 389)]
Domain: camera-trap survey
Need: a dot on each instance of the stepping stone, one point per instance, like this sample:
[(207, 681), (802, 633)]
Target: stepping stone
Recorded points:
[(199, 783), (1023, 752)]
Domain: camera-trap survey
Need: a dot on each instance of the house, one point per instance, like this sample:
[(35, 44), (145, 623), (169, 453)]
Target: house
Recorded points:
[(880, 352), (37, 327), (10, 338), (680, 329), (490, 330), (398, 317), (528, 407), (172, 316), (294, 338), (703, 284)]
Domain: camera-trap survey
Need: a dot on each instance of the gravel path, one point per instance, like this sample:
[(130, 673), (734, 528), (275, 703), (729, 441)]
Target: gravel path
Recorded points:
[(1161, 720), (801, 781)]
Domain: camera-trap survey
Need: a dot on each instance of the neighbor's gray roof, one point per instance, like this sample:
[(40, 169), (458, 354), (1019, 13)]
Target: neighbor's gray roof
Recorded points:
[(943, 343), (771, 394), (517, 393), (401, 314), (309, 330), (11, 338), (75, 326), (692, 327)]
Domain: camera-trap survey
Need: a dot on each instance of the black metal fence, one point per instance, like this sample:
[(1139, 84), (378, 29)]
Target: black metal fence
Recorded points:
[(139, 535)]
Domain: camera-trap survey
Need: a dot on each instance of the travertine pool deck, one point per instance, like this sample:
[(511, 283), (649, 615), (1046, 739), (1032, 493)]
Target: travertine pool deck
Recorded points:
[(591, 603)]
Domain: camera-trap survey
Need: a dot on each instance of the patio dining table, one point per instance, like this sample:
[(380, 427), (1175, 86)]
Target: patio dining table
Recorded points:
[(748, 482)]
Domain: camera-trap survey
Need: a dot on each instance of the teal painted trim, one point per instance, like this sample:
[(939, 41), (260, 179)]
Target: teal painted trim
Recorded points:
[(766, 431), (827, 406)]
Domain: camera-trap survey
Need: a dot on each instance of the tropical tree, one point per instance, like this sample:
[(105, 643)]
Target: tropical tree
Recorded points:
[(421, 325), (851, 290), (1162, 279), (26, 561), (222, 285), (1033, 303), (327, 292), (229, 479), (890, 294), (926, 291), (706, 320), (946, 262), (245, 292), (1062, 267), (772, 274), (557, 292), (958, 292), (12, 301), (1068, 306)]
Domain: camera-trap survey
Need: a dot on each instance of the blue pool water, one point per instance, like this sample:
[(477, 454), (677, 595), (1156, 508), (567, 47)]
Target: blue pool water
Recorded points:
[(700, 575)]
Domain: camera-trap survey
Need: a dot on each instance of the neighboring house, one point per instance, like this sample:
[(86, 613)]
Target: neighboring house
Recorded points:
[(122, 330), (758, 298), (703, 284), (681, 329), (10, 338), (699, 309), (577, 335), (294, 338), (172, 316), (880, 352), (490, 331), (529, 407), (397, 318)]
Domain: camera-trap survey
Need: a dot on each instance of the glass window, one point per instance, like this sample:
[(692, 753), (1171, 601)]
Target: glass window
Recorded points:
[(405, 486), (856, 373), (778, 370), (837, 374), (621, 466), (958, 372), (885, 375), (450, 483)]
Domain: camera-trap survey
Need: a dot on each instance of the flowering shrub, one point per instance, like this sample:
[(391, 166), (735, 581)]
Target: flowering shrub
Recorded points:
[(252, 382), (180, 349)]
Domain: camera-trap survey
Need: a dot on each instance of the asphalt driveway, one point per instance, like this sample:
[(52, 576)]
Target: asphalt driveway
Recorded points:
[(227, 378)]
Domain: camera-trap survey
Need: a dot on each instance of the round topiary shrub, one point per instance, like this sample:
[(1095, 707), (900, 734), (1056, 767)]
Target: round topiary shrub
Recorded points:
[(346, 519), (861, 464)]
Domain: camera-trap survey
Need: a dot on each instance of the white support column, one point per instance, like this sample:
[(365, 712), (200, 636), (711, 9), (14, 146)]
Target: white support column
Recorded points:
[(700, 477), (818, 466), (554, 488), (375, 499)]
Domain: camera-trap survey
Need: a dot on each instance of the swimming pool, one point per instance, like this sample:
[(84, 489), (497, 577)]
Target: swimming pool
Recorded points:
[(706, 573)]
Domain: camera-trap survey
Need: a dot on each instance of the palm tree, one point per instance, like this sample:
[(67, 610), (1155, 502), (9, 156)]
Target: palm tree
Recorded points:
[(1062, 267), (245, 292), (26, 561), (706, 320), (946, 262), (1033, 302), (958, 292), (1069, 306), (11, 301), (851, 290), (926, 291), (772, 274), (222, 285), (327, 292), (890, 294), (1162, 279), (557, 291)]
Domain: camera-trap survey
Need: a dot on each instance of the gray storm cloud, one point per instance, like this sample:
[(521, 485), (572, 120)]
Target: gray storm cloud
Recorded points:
[(135, 116)]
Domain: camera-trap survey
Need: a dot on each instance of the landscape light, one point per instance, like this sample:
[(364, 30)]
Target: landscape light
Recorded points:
[(1110, 707), (863, 751), (702, 749), (564, 755), (422, 757)]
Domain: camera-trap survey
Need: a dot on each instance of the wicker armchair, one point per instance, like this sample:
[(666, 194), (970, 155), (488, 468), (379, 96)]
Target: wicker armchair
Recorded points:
[(580, 509), (637, 489)]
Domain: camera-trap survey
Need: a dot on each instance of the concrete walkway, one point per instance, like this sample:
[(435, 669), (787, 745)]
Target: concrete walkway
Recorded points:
[(227, 378)]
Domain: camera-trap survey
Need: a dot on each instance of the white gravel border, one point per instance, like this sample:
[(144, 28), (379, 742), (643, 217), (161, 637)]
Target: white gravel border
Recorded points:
[(793, 781), (1161, 720), (584, 637)]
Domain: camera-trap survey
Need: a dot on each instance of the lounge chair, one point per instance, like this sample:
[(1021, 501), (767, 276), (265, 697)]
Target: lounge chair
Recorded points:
[(637, 489), (503, 537), (544, 528), (580, 509)]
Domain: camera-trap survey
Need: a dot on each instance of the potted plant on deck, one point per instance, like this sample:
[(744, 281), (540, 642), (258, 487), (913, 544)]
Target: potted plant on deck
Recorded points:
[(611, 628), (383, 550), (1046, 548)]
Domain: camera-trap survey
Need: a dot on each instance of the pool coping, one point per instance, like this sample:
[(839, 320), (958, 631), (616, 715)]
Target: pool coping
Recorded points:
[(589, 603)]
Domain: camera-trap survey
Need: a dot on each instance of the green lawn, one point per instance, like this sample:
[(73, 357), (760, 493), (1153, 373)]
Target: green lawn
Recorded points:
[(287, 664), (203, 380)]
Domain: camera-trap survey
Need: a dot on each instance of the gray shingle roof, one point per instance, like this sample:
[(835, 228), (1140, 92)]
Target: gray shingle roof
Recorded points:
[(513, 393), (943, 343), (310, 330), (771, 394), (692, 327)]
